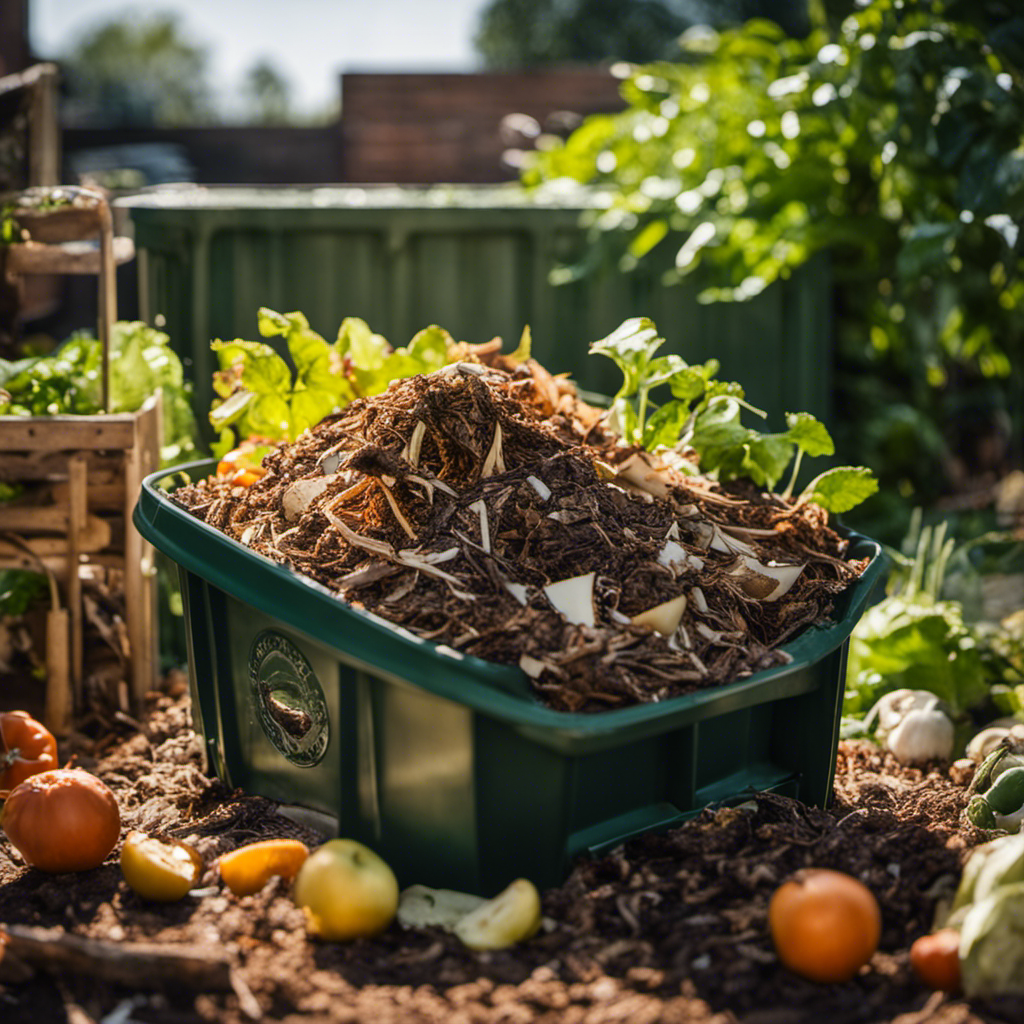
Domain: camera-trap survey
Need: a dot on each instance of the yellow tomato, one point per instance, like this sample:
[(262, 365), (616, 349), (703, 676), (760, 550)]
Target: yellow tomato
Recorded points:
[(159, 869)]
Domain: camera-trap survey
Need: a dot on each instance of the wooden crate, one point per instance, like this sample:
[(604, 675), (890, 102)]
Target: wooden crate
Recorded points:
[(81, 477)]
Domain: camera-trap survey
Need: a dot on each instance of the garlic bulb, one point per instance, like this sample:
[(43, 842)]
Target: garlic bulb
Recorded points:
[(913, 726)]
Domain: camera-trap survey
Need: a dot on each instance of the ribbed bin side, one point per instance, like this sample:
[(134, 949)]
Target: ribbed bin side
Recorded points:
[(212, 257)]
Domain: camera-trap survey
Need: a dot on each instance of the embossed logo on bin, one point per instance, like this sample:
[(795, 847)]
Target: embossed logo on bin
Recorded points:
[(288, 699)]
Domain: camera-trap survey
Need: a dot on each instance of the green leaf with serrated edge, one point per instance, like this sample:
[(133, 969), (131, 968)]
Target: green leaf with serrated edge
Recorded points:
[(269, 416), (308, 407), (631, 346), (840, 489), (663, 370), (809, 434), (690, 382), (273, 324), (356, 340), (665, 424), (429, 347)]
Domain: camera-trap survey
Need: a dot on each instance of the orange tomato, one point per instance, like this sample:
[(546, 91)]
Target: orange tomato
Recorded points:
[(936, 959), (246, 870), (60, 821), (825, 924), (242, 464), (26, 748)]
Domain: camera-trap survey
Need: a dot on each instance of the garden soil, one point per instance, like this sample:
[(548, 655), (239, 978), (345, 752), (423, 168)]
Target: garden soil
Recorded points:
[(670, 927)]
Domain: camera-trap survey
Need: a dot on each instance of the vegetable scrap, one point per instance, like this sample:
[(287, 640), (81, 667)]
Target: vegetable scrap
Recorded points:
[(485, 507)]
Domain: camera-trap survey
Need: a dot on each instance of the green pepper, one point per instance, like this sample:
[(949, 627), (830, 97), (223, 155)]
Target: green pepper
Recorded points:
[(1001, 804)]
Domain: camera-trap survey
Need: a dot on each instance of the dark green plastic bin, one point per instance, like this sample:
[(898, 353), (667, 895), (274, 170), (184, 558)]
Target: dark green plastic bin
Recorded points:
[(476, 260), (445, 764)]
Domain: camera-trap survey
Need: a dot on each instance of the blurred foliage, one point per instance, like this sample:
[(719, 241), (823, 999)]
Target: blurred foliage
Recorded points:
[(267, 94), (140, 72), (527, 33), (895, 145)]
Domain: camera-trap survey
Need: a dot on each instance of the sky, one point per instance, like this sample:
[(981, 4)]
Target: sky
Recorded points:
[(311, 42)]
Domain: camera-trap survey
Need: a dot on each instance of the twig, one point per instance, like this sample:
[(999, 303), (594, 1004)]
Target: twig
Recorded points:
[(134, 965)]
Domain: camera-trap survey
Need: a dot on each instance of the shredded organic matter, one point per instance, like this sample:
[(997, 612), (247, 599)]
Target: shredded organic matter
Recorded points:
[(486, 508)]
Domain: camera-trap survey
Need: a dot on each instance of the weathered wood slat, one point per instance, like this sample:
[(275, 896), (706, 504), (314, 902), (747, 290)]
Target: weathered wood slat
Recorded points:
[(69, 258), (65, 433), (52, 466)]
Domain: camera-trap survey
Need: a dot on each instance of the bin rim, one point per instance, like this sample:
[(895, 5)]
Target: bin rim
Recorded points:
[(320, 198), (314, 610)]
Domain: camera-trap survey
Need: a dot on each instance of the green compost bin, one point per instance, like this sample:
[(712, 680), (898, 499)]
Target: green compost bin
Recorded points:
[(476, 260), (447, 765)]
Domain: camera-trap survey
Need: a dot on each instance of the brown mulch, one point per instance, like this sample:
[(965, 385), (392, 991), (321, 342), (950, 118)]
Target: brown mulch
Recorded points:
[(451, 502), (669, 928)]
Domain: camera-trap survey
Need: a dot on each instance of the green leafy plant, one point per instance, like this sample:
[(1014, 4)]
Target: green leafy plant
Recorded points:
[(261, 395), (68, 383), (894, 146), (919, 638), (703, 415)]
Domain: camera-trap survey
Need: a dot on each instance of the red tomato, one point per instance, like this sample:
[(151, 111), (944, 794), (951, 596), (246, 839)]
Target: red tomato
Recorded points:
[(26, 748), (60, 821), (936, 959)]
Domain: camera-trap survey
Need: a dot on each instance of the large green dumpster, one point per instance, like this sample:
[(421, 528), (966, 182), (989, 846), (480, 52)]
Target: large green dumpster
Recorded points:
[(475, 260)]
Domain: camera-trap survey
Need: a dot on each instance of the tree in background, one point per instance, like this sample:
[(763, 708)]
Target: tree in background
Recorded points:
[(268, 94), (532, 33), (137, 72), (895, 145)]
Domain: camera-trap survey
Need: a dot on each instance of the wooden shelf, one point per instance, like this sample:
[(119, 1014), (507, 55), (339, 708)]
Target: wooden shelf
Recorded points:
[(81, 257)]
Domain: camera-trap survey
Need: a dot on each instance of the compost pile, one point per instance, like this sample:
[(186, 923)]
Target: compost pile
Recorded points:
[(489, 511)]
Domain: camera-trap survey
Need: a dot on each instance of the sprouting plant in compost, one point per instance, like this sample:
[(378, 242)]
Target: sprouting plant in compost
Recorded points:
[(486, 507)]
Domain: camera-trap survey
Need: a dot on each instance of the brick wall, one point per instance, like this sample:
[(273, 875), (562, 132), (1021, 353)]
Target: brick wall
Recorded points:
[(402, 128), (423, 128)]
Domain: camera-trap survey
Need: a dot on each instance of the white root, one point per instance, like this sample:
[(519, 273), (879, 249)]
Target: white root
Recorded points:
[(495, 460), (411, 451), (518, 590), (573, 599), (433, 557), (402, 521), (485, 527), (542, 489)]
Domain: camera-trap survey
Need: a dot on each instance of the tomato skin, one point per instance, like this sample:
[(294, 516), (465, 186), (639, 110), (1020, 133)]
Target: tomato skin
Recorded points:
[(246, 870), (825, 924), (936, 959), (242, 465), (63, 820), (27, 748)]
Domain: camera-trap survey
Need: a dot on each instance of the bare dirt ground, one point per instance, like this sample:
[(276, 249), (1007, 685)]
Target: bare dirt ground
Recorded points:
[(669, 928)]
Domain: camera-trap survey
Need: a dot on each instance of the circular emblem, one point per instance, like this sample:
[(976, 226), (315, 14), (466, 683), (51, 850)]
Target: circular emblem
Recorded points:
[(288, 699)]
